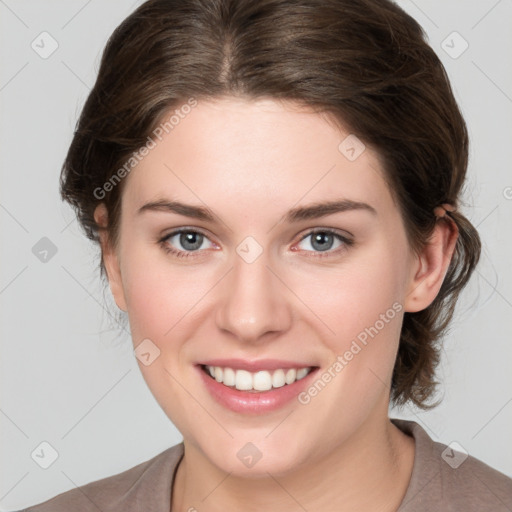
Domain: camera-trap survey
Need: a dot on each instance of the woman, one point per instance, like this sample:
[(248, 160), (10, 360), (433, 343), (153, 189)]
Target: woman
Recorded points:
[(275, 187)]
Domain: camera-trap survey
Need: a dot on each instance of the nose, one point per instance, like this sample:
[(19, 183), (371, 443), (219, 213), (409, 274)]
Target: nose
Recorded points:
[(253, 303)]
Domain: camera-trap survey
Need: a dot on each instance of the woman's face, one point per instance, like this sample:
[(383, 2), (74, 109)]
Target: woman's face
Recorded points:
[(247, 286)]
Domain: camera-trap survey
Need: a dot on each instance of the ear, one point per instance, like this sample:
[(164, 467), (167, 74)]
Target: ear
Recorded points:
[(110, 258), (430, 266)]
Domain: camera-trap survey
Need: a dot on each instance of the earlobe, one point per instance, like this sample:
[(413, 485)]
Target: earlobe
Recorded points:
[(110, 258), (430, 266)]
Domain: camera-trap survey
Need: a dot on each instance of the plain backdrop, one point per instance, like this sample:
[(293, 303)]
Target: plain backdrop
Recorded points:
[(69, 379)]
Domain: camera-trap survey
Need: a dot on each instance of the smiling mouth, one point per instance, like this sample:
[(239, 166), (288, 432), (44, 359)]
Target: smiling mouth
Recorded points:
[(255, 382)]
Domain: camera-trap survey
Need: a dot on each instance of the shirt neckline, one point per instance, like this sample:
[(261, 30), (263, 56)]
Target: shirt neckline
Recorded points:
[(424, 469)]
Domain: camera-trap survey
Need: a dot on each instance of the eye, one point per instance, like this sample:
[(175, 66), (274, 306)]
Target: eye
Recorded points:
[(325, 240), (184, 242)]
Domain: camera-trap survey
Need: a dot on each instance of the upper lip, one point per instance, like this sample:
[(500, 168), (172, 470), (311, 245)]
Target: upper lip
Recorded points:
[(254, 366)]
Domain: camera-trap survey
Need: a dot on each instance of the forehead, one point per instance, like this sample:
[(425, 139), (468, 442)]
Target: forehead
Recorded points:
[(256, 153)]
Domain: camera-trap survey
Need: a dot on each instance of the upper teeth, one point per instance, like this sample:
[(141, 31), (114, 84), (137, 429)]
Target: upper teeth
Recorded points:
[(258, 381)]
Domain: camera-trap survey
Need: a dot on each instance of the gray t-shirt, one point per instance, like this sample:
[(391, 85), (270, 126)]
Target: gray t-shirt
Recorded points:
[(443, 479)]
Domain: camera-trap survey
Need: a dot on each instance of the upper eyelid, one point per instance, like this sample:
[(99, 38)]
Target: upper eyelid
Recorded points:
[(185, 229)]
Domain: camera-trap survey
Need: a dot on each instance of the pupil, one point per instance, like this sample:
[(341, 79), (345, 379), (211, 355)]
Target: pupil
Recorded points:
[(321, 241)]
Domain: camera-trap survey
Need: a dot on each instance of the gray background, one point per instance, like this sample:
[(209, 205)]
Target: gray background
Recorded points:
[(70, 380)]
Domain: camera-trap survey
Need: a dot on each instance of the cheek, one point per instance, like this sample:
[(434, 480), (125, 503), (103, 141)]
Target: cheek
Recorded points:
[(151, 305), (160, 296), (160, 299), (366, 319), (352, 296), (361, 304)]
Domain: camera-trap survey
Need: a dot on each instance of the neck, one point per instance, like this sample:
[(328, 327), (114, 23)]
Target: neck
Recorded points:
[(370, 471)]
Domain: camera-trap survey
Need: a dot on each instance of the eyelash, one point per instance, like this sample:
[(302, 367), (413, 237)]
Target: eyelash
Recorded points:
[(347, 242)]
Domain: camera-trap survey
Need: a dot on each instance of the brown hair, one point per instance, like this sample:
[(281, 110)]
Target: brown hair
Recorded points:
[(365, 62)]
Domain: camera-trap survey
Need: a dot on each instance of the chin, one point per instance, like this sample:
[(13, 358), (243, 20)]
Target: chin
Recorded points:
[(255, 459)]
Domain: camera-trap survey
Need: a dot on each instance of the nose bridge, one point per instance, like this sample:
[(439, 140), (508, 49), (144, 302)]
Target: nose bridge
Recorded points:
[(253, 301)]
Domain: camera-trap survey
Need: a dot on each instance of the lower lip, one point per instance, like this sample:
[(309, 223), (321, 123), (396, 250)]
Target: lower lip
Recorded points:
[(255, 402)]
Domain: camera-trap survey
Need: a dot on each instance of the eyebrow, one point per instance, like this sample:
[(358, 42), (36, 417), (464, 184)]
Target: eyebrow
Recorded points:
[(313, 211)]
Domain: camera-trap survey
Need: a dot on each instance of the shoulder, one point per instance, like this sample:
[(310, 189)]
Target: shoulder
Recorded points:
[(449, 479), (148, 483)]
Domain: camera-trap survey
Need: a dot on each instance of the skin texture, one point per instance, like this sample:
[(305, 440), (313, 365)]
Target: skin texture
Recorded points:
[(250, 162)]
